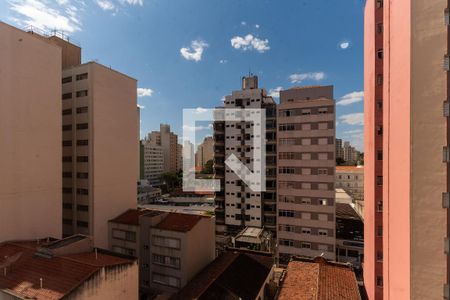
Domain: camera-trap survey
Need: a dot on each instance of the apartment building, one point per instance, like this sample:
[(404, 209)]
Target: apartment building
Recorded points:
[(153, 162), (351, 180), (204, 152), (237, 205), (100, 161), (406, 132), (179, 157), (30, 130), (167, 245), (168, 141), (306, 172), (339, 149)]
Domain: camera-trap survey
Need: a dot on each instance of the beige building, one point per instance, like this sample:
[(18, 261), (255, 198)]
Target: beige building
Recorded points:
[(153, 162), (306, 163), (65, 269), (168, 141), (351, 180), (205, 152), (30, 130), (100, 160), (167, 244), (238, 206)]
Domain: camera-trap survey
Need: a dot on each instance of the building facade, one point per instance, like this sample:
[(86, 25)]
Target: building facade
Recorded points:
[(99, 174), (406, 132), (153, 162), (30, 130), (204, 152), (306, 175), (339, 149), (237, 205), (168, 141), (351, 180)]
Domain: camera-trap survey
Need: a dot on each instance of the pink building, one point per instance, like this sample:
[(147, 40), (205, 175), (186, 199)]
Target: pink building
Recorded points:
[(406, 132)]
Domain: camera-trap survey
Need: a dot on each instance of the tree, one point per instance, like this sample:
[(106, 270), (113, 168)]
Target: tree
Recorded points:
[(170, 179), (208, 167)]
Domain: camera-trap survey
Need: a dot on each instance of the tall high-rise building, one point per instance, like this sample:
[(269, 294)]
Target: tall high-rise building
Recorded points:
[(237, 205), (306, 166), (100, 160), (30, 136), (406, 132), (204, 152), (339, 149), (169, 144), (153, 162), (179, 157)]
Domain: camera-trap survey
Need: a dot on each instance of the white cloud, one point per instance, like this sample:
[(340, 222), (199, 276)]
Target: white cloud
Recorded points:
[(105, 4), (194, 52), (297, 78), (257, 26), (200, 110), (37, 13), (350, 98), (243, 23), (133, 2), (250, 42), (344, 45), (223, 61), (352, 119), (144, 92), (353, 131), (275, 93)]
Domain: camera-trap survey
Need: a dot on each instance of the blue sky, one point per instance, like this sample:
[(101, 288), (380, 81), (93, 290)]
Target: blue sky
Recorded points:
[(190, 53)]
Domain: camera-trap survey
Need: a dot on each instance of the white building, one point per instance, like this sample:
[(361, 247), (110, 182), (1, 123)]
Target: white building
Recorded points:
[(153, 162), (351, 180)]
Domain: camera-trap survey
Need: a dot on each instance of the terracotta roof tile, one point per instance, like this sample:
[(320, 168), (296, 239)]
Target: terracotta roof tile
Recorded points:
[(60, 275), (130, 217), (319, 279), (179, 222)]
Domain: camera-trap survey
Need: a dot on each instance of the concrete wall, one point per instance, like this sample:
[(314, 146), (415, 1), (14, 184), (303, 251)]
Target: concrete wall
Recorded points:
[(115, 159), (30, 136)]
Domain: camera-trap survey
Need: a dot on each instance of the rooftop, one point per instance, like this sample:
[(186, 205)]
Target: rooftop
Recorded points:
[(228, 275), (130, 217), (350, 169), (346, 211), (179, 222), (319, 279), (60, 274)]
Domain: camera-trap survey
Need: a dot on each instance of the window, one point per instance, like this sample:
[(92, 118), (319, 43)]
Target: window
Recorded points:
[(379, 130), (67, 221), (306, 126), (306, 112), (306, 216), (82, 191), (306, 230), (352, 253), (82, 142), (66, 112), (323, 217), (289, 243), (380, 79), (379, 155), (124, 235), (82, 76), (82, 224), (379, 180), (323, 201), (67, 127), (67, 174), (323, 141), (81, 110), (166, 280), (83, 93), (67, 190), (67, 96), (322, 186), (379, 206), (323, 156), (166, 242), (306, 156), (82, 175), (67, 143), (67, 159), (322, 172), (66, 79), (379, 3), (82, 158), (306, 171), (380, 256), (123, 250), (380, 281), (380, 53), (67, 205), (306, 245), (379, 104), (380, 28), (82, 126), (306, 201), (379, 230), (306, 142), (323, 232), (82, 207), (169, 261), (322, 110)]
